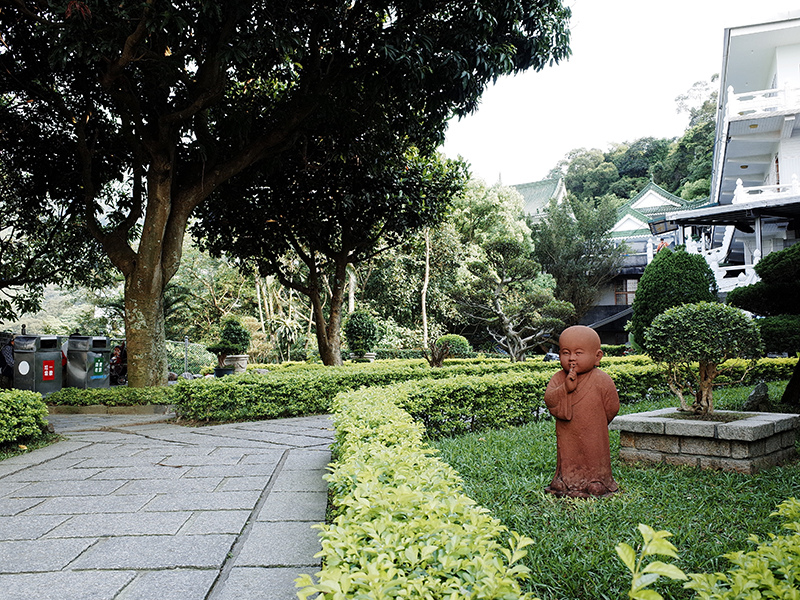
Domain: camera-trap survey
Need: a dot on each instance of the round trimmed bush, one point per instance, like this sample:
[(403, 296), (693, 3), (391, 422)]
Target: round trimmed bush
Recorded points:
[(672, 279), (360, 332), (458, 345)]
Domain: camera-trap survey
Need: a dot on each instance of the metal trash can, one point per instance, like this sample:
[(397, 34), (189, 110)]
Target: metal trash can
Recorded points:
[(78, 361), (37, 363), (99, 363), (25, 362)]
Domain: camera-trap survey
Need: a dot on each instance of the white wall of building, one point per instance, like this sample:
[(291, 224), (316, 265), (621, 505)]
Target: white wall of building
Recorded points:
[(788, 65), (790, 156)]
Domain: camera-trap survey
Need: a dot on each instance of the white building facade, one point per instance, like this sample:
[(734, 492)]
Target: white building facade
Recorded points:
[(755, 188)]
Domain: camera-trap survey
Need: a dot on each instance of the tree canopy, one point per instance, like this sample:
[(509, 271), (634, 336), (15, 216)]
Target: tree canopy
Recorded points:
[(331, 206), (41, 245), (572, 244), (141, 110), (681, 166), (507, 292)]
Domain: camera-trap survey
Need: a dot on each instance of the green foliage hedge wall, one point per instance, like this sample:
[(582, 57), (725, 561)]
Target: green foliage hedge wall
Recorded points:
[(402, 525), (114, 396), (23, 415), (459, 397)]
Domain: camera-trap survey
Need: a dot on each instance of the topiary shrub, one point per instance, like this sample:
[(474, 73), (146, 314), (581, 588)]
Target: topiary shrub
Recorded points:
[(672, 279), (447, 346), (458, 345), (234, 339), (693, 340), (360, 332)]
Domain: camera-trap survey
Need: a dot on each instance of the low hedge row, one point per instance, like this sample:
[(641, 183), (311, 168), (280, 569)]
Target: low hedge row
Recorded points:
[(465, 404), (448, 400), (402, 525), (23, 415), (765, 369), (113, 396), (307, 389)]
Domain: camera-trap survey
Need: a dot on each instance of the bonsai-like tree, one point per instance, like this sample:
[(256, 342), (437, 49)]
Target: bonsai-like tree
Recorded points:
[(693, 340), (672, 279), (361, 333), (234, 339), (507, 291), (445, 347)]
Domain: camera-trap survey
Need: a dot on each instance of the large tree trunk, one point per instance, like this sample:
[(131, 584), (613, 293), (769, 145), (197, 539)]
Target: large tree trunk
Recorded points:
[(147, 271), (329, 331), (144, 329), (329, 338)]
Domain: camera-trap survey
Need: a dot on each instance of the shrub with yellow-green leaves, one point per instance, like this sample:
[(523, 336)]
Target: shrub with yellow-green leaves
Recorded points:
[(402, 526), (771, 570), (23, 415)]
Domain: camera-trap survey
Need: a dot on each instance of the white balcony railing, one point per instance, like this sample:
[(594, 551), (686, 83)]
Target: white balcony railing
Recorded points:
[(748, 104), (765, 192)]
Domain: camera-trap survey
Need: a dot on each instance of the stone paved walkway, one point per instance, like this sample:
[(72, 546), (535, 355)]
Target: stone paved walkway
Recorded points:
[(135, 508)]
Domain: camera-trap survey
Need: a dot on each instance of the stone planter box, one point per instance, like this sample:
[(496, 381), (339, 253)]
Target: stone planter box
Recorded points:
[(237, 361), (748, 445)]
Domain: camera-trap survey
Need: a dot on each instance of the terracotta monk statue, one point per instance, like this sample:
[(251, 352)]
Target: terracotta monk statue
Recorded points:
[(583, 401)]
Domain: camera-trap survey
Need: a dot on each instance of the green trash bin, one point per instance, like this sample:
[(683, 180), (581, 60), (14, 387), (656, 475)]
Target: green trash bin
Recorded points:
[(99, 363)]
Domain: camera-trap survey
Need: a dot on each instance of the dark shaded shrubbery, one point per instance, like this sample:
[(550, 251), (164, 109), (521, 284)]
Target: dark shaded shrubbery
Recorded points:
[(781, 333)]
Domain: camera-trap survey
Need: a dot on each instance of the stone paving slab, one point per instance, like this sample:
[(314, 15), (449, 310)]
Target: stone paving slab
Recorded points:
[(218, 521), (119, 524), (133, 507), (30, 556), (63, 585), (91, 504), (204, 501), (286, 544), (177, 584), (302, 481), (29, 527), (156, 552), (291, 506), (184, 485), (250, 582)]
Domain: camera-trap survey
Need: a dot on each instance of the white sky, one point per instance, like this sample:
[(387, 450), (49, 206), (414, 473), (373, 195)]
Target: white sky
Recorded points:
[(630, 60)]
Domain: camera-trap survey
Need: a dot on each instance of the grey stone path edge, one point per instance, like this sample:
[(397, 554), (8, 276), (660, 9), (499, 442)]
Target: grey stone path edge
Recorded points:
[(131, 507)]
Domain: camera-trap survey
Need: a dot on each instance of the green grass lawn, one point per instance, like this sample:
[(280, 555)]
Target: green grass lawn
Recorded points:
[(709, 512)]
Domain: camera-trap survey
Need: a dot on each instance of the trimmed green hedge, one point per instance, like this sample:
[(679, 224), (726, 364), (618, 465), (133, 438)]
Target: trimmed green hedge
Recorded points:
[(402, 525), (114, 396), (454, 398), (23, 415), (464, 403), (765, 369)]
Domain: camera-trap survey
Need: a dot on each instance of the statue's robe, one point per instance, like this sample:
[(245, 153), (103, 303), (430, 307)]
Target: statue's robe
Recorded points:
[(583, 466)]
